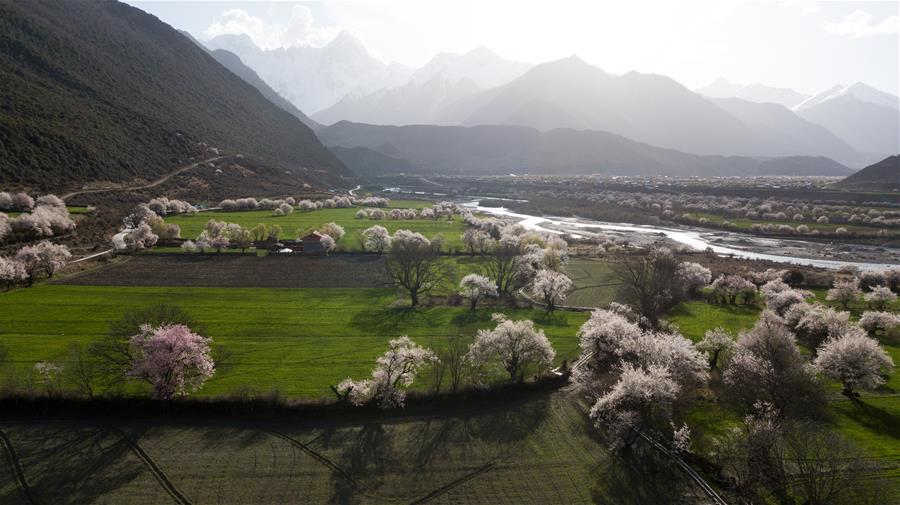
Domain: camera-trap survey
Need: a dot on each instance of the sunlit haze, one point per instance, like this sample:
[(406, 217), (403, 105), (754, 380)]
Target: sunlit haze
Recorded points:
[(808, 46)]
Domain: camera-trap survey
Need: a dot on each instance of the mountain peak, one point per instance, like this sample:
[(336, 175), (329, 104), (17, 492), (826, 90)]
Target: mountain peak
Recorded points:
[(347, 43), (481, 52)]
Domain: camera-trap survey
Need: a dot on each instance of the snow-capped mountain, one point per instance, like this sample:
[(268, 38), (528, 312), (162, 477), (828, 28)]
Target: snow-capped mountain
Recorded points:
[(412, 103), (442, 81), (314, 78), (481, 65), (868, 119), (860, 91), (756, 92)]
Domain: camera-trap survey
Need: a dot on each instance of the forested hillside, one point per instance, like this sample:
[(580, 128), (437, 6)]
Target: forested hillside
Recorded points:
[(101, 91)]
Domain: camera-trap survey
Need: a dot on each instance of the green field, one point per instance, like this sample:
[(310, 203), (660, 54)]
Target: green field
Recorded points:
[(299, 222), (744, 224), (873, 423), (72, 210), (299, 341), (595, 284), (536, 451)]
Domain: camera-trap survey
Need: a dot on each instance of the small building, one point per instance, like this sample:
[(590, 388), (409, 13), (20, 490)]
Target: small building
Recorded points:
[(312, 243)]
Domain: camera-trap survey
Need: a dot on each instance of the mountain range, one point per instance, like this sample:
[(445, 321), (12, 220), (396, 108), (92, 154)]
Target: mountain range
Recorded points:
[(134, 99), (868, 119), (371, 150), (756, 92), (853, 124), (314, 78)]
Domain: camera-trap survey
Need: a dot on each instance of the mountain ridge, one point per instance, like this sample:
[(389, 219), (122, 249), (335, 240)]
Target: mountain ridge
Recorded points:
[(135, 99), (503, 149)]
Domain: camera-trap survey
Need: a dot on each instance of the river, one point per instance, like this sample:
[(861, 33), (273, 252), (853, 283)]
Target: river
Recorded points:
[(691, 238)]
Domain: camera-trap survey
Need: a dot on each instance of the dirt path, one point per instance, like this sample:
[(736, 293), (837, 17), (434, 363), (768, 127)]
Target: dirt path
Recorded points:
[(153, 184), (16, 467)]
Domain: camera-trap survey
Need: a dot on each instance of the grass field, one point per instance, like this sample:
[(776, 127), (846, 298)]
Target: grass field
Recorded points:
[(595, 284), (299, 341), (873, 423), (535, 451), (298, 222), (74, 210), (744, 224)]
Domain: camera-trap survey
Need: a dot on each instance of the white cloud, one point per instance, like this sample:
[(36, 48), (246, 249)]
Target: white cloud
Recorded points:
[(860, 24), (297, 30), (807, 7)]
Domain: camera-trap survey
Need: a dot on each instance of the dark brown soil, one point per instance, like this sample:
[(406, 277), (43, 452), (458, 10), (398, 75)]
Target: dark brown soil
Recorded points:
[(236, 270)]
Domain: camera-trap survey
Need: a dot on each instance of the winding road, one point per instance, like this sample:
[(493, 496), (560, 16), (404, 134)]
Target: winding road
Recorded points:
[(153, 184)]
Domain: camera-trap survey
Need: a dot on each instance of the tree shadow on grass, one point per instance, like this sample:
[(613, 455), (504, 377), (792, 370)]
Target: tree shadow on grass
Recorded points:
[(469, 318), (556, 318), (74, 464), (639, 476), (393, 320), (874, 419)]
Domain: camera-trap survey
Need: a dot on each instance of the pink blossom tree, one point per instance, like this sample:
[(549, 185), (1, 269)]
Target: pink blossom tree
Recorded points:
[(172, 358)]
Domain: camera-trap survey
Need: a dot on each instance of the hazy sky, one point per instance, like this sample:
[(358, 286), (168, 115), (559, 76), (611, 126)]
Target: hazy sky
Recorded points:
[(808, 46)]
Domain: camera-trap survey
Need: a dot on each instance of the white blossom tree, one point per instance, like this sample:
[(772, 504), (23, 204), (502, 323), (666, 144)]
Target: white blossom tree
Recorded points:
[(333, 230), (475, 287), (4, 226), (328, 243), (718, 344), (640, 400), (476, 241), (694, 276), (872, 321), (45, 257), (141, 237), (551, 287), (844, 292), (376, 239), (514, 345), (880, 297), (767, 366), (12, 272), (394, 372), (854, 359)]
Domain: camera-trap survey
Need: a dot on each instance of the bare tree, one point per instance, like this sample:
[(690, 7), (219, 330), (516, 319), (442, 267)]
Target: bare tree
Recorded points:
[(414, 265), (650, 283)]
